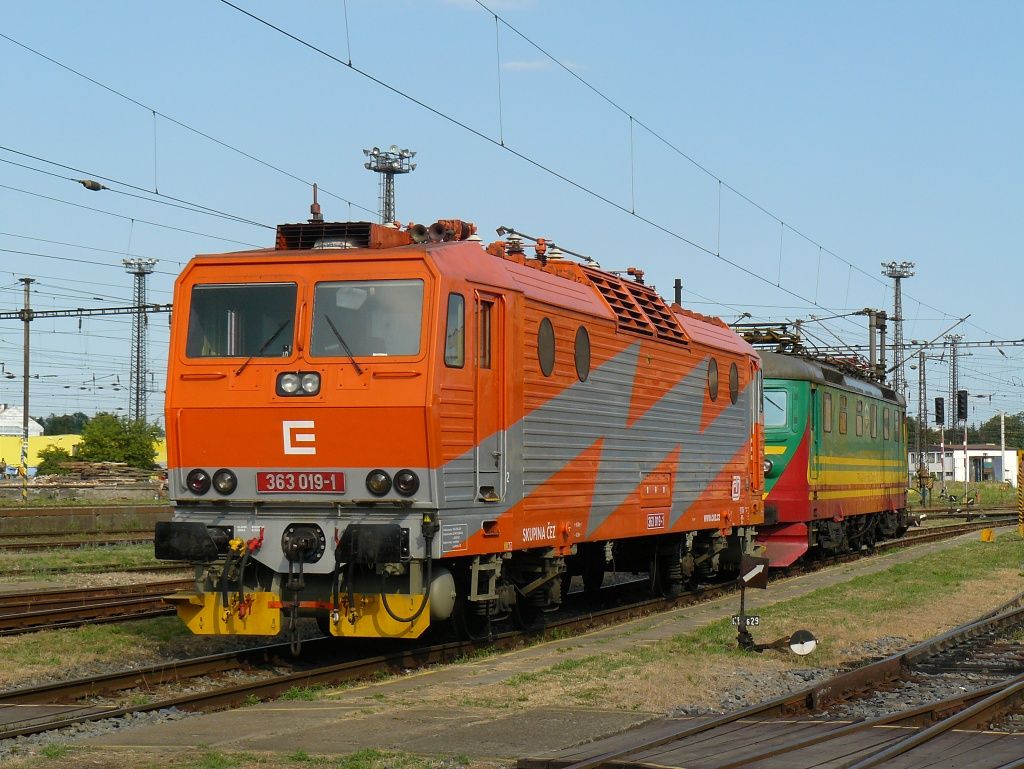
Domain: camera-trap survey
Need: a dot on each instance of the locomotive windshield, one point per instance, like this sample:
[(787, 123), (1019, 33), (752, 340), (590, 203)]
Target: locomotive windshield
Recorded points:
[(776, 403), (241, 320), (369, 317)]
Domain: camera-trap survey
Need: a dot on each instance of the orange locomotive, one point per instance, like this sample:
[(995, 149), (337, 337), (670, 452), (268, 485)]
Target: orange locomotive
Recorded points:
[(387, 428)]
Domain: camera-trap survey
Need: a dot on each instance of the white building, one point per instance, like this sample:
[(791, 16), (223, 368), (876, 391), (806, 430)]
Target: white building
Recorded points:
[(11, 419), (984, 463)]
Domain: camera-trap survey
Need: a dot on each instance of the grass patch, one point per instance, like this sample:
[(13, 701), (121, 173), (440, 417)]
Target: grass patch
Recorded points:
[(111, 558), (305, 693), (55, 750), (39, 653), (371, 758), (907, 602)]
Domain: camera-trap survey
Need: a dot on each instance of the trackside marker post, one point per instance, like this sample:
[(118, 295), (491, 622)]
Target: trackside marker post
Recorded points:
[(754, 573)]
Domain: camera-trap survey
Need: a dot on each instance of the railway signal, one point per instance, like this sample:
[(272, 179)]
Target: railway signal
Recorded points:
[(940, 411), (961, 404)]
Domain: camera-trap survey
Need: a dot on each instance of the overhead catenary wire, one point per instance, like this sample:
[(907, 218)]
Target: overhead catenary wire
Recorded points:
[(127, 218), (182, 124), (170, 200), (701, 167), (664, 229)]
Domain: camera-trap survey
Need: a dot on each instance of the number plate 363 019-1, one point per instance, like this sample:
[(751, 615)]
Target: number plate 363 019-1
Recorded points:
[(300, 481)]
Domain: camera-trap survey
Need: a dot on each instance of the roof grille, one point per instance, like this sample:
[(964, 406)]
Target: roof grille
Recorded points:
[(306, 235), (832, 376), (637, 307), (665, 324)]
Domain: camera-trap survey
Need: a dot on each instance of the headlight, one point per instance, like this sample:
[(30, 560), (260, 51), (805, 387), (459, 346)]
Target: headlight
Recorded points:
[(224, 482), (378, 482), (406, 483), (768, 465), (198, 482), (298, 383)]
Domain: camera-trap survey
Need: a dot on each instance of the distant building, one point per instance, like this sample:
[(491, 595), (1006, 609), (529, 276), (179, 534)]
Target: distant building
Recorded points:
[(10, 422), (984, 463)]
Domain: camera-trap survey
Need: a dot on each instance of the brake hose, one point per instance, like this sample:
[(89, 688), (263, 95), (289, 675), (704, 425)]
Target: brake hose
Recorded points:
[(428, 539)]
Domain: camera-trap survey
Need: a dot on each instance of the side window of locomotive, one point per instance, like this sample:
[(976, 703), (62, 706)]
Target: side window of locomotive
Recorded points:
[(582, 353), (776, 408), (734, 383), (546, 347), (842, 414), (874, 420), (860, 417), (241, 320), (367, 318), (455, 332), (713, 379), (483, 334), (826, 412), (885, 424)]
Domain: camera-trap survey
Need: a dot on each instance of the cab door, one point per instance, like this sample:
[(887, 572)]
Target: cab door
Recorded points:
[(815, 437), (490, 397)]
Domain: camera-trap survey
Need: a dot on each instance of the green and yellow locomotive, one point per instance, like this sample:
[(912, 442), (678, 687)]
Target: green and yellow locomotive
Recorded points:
[(835, 460)]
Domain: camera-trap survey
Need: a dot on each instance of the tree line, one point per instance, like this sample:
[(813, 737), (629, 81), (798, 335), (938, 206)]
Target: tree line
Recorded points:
[(986, 432), (105, 438)]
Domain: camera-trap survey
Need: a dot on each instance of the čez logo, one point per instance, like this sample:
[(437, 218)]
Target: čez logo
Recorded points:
[(291, 437)]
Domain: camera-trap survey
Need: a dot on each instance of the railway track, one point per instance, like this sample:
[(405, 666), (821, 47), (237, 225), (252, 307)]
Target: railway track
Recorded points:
[(51, 609), (66, 703), (65, 544), (785, 732)]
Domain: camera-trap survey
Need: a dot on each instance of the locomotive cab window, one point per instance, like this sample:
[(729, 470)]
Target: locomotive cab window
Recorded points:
[(826, 413), (241, 320), (776, 408), (860, 417), (842, 414), (367, 318), (713, 379), (455, 332), (734, 383)]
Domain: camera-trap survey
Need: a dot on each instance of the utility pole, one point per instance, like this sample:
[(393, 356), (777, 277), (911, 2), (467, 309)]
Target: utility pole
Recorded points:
[(26, 317), (140, 268), (387, 163), (897, 272), (922, 426)]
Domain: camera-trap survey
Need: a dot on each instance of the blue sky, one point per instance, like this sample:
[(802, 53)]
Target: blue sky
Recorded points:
[(881, 131)]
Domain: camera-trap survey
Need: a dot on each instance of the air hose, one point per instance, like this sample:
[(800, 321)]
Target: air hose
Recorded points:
[(429, 529)]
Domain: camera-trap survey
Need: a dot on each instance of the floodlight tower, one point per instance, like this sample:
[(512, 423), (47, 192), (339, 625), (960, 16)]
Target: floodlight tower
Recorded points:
[(388, 163), (898, 271), (140, 268)]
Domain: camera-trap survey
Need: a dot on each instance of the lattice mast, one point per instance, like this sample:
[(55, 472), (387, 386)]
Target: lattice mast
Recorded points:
[(140, 268), (898, 271), (954, 374), (388, 163)]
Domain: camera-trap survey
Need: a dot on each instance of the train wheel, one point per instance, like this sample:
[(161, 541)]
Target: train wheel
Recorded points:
[(526, 615), (469, 620), (323, 621), (593, 578), (666, 576)]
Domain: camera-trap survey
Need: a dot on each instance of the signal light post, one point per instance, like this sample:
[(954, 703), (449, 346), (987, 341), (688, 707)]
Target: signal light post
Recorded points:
[(940, 420), (961, 414)]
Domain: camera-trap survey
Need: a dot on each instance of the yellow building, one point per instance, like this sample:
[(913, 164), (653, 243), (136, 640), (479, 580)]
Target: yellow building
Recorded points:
[(10, 448)]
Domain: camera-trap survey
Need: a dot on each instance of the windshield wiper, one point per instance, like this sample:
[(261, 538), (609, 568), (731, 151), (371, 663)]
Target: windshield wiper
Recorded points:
[(348, 351), (263, 348)]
